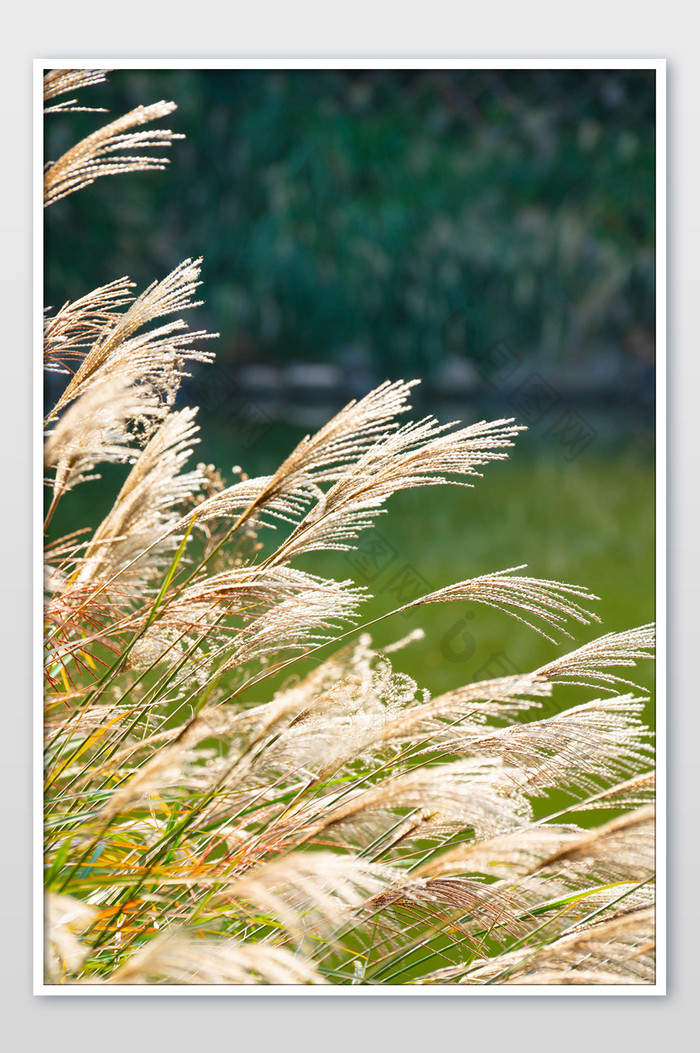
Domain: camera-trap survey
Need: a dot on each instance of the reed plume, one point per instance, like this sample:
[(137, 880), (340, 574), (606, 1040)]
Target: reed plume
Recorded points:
[(347, 828)]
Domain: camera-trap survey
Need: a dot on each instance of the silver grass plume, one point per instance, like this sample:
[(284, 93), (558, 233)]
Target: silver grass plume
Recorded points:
[(80, 323), (156, 355), (97, 429), (107, 151), (570, 750), (148, 502), (181, 959), (61, 81), (65, 919)]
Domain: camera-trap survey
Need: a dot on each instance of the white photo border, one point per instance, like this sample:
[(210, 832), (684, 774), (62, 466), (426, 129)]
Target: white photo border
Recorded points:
[(659, 987)]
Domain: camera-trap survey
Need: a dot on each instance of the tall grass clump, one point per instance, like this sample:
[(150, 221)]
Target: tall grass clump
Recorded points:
[(343, 827)]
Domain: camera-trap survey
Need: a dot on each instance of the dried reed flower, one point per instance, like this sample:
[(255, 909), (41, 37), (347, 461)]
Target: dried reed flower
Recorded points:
[(100, 154), (157, 356), (62, 81), (65, 919), (177, 958), (78, 325)]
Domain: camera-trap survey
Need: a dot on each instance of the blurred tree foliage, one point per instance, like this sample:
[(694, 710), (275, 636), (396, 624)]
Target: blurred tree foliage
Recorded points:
[(403, 214)]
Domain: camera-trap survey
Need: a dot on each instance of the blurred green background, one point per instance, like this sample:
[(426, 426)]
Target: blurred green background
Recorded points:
[(391, 217), (490, 231)]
